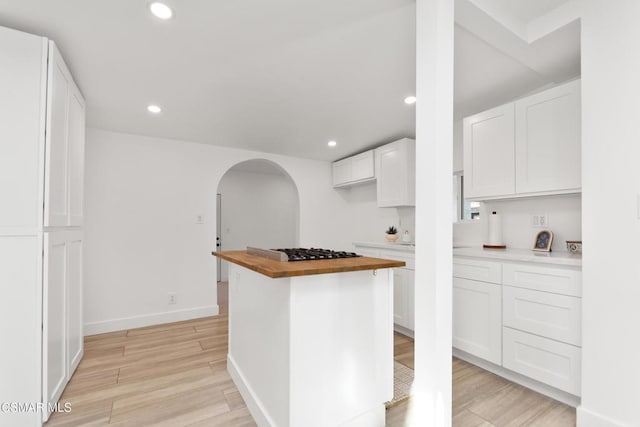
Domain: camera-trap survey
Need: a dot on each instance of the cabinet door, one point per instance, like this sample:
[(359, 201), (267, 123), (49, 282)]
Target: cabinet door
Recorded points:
[(54, 373), (362, 166), (341, 172), (76, 142), (56, 208), (403, 297), (548, 140), (477, 323), (395, 172), (73, 290), (489, 163)]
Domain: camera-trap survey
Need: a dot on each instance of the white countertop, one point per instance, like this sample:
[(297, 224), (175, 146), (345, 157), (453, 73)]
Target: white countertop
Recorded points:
[(526, 255), (397, 246)]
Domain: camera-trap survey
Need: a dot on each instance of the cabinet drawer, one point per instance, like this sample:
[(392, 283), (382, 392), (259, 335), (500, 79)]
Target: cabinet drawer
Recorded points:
[(557, 280), (551, 362), (553, 316), (408, 258), (485, 271)]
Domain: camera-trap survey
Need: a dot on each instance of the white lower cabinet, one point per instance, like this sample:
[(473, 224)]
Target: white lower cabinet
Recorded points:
[(477, 328), (403, 283), (528, 320), (551, 362)]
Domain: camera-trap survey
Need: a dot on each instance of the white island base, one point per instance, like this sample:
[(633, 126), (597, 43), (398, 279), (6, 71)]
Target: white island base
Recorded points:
[(312, 350)]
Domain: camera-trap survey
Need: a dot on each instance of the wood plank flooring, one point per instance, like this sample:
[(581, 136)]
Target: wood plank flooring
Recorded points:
[(482, 399), (175, 375), (165, 375)]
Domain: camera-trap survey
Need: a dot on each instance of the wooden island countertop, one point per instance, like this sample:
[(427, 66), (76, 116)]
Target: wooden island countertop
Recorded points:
[(278, 269)]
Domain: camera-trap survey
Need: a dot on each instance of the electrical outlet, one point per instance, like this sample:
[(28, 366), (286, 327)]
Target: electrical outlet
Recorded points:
[(540, 221), (171, 298), (544, 221)]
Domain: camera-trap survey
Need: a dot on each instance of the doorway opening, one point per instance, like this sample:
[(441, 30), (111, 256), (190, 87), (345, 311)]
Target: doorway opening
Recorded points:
[(257, 204)]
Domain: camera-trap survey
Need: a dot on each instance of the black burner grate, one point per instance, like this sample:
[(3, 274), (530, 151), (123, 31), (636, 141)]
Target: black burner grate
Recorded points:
[(303, 254)]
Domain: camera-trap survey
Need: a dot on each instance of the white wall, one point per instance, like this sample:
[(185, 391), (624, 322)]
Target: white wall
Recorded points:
[(611, 223), (259, 210), (142, 241), (370, 222), (563, 214)]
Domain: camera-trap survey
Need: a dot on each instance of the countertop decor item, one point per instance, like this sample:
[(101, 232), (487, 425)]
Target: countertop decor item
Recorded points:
[(574, 246), (392, 234), (543, 241)]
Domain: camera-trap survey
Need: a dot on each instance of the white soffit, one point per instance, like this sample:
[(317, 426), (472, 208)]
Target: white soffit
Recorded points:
[(529, 19)]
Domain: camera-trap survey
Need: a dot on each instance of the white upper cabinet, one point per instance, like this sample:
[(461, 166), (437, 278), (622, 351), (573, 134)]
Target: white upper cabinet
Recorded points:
[(396, 173), (64, 155), (524, 148), (489, 164), (548, 140), (354, 170)]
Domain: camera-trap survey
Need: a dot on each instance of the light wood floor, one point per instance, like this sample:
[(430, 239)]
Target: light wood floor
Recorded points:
[(482, 399), (175, 375)]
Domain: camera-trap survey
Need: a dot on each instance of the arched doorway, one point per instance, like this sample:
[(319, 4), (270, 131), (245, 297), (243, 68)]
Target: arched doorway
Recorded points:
[(258, 205)]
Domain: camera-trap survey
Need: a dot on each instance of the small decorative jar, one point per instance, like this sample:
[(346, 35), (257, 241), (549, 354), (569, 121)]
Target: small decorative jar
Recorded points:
[(574, 246)]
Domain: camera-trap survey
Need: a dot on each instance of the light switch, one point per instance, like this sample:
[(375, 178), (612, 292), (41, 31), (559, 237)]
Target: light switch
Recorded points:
[(199, 219)]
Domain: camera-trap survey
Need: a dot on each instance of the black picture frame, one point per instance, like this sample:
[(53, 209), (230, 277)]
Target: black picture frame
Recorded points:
[(543, 241)]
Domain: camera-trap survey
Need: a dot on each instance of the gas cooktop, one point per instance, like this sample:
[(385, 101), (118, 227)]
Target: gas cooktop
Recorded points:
[(303, 254), (300, 254)]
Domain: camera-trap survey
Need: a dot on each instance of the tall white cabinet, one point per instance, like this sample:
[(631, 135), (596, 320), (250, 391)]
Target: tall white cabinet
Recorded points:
[(42, 134)]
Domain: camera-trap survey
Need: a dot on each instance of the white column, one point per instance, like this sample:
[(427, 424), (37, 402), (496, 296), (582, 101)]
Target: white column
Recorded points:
[(610, 214), (434, 148)]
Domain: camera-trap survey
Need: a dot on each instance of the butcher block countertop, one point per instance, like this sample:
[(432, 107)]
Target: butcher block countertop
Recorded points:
[(277, 269)]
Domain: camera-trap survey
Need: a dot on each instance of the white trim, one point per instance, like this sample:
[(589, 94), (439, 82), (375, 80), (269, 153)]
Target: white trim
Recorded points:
[(587, 418), (547, 390), (149, 319), (402, 330), (255, 406)]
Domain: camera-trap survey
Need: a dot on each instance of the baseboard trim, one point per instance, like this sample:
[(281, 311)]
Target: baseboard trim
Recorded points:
[(254, 405), (113, 325), (402, 330), (587, 418), (547, 390)]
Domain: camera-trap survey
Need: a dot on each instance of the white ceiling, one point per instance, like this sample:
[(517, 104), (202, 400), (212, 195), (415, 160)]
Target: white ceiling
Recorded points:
[(283, 76)]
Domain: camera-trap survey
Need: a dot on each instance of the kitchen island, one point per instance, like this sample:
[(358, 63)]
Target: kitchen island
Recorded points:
[(311, 342)]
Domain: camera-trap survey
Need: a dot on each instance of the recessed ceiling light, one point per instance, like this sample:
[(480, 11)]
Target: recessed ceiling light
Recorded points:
[(161, 10), (154, 109), (332, 143), (410, 100)]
